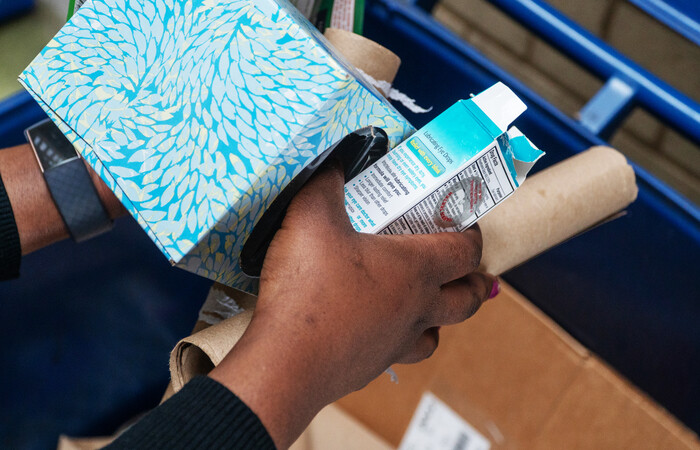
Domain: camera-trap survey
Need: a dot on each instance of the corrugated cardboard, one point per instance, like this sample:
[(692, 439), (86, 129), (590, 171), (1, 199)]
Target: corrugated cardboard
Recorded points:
[(520, 380)]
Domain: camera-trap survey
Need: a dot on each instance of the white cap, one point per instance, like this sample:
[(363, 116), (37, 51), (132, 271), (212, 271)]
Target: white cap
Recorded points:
[(500, 104)]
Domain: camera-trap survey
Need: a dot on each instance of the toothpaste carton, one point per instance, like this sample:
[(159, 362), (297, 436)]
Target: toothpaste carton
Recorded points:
[(448, 174)]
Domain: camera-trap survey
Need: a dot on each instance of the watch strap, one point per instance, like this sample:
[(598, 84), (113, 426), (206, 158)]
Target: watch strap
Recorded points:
[(69, 182), (77, 200)]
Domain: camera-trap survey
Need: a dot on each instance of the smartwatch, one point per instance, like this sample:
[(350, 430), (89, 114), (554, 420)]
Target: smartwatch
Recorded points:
[(69, 182)]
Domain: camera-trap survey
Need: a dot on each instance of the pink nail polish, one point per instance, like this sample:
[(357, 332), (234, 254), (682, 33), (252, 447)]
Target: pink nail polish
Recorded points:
[(495, 289)]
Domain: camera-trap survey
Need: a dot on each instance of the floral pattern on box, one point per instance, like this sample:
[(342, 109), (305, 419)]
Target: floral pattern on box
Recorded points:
[(198, 112)]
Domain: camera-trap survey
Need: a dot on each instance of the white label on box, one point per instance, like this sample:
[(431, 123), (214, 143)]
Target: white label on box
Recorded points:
[(398, 180), (423, 217), (343, 15), (435, 426)]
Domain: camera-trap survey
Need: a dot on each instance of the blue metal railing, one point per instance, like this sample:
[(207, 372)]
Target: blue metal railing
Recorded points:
[(681, 15), (627, 85)]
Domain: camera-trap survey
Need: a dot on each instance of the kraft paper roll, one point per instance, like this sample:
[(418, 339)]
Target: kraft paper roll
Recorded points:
[(199, 353), (549, 208), (193, 353), (373, 59), (555, 205)]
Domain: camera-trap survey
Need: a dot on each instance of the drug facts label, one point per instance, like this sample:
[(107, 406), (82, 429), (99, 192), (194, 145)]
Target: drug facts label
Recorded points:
[(376, 199), (440, 210), (436, 426)]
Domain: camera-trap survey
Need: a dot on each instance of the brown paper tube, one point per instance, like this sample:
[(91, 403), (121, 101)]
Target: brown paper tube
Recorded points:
[(550, 207), (555, 205), (193, 358), (200, 353), (373, 59)]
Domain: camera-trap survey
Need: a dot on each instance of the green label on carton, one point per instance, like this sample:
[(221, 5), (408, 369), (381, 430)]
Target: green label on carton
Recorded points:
[(426, 157), (73, 6)]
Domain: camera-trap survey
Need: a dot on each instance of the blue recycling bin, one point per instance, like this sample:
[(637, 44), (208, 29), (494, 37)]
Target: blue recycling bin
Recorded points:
[(12, 8), (87, 328), (628, 290)]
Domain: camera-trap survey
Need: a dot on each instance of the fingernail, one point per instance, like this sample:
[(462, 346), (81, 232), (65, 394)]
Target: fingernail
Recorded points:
[(495, 289)]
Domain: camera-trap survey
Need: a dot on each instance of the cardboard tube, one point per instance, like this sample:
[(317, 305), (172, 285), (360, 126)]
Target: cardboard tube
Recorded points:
[(373, 59), (555, 205), (199, 353), (550, 207)]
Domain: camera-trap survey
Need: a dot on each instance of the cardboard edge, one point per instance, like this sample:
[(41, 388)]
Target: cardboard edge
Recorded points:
[(565, 338), (591, 361), (655, 411)]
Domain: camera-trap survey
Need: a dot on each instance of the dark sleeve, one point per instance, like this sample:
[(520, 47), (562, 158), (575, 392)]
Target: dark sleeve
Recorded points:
[(204, 414), (10, 250)]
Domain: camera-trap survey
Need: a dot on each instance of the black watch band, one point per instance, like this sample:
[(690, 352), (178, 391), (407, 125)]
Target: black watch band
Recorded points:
[(69, 182)]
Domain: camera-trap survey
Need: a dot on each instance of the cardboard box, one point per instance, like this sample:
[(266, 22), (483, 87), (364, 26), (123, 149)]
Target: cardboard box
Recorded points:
[(522, 382), (196, 114)]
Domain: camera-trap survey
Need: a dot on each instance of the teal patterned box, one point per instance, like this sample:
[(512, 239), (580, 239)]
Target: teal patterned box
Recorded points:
[(197, 113)]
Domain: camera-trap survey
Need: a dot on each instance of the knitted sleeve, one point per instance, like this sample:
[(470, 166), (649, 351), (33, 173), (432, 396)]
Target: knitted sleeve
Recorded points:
[(204, 414), (10, 250)]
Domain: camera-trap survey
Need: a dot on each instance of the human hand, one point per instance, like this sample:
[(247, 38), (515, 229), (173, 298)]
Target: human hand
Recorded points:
[(337, 308)]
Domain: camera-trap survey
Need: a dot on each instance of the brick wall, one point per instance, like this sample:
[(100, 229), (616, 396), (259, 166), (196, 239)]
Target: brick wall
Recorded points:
[(565, 84)]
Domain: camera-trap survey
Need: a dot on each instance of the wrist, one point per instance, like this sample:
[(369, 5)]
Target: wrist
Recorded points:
[(114, 207), (73, 188), (38, 221), (278, 386)]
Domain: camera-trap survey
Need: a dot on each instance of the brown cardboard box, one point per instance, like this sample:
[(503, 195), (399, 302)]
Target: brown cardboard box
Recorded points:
[(512, 374), (522, 382)]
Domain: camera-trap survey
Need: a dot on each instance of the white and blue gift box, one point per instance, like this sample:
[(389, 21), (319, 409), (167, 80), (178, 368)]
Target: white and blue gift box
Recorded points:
[(196, 113)]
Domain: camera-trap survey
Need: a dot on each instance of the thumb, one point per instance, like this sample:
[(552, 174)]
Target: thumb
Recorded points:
[(321, 202)]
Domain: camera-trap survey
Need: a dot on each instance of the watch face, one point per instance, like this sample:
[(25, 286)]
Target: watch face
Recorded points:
[(51, 146)]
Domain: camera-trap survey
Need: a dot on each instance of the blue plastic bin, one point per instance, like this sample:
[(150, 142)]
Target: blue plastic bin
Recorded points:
[(13, 8), (628, 290)]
